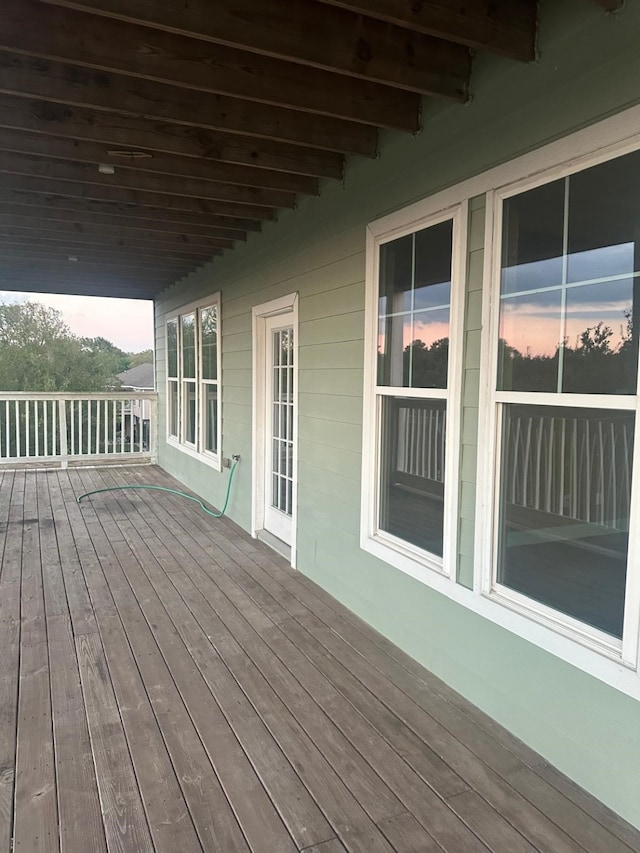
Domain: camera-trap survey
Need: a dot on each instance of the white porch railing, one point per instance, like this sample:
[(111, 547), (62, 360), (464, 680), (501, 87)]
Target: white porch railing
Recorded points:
[(77, 428)]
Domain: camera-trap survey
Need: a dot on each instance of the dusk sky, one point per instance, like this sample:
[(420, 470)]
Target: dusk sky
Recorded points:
[(127, 323)]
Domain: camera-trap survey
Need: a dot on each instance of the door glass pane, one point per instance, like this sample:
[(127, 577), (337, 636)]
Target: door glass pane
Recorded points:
[(564, 509), (412, 471), (282, 421), (413, 308)]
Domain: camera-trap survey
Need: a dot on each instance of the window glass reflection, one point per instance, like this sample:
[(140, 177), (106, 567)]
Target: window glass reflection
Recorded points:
[(413, 305), (412, 474), (530, 335), (599, 354), (569, 286), (564, 509), (604, 210), (532, 227)]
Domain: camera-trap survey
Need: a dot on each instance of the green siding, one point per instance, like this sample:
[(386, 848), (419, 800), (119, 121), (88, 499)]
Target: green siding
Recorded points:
[(589, 67)]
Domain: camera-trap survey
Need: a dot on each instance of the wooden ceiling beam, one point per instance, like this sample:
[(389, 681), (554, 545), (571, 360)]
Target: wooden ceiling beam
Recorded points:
[(84, 266), (119, 131), (154, 163), (507, 27), (27, 269), (150, 217), (94, 192), (131, 179), (105, 248), (113, 45), (15, 251), (65, 238), (130, 222), (609, 5), (103, 194), (95, 233), (63, 83), (307, 33), (92, 287)]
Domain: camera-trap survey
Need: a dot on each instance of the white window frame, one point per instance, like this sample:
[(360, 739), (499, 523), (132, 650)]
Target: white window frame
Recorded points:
[(601, 141), (626, 650), (405, 556), (172, 378), (196, 449)]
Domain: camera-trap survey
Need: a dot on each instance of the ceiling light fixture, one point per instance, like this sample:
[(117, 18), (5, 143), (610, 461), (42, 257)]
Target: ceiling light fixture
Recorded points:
[(106, 169), (73, 258)]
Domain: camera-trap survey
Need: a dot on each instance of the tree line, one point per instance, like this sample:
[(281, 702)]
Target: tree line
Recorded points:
[(38, 352)]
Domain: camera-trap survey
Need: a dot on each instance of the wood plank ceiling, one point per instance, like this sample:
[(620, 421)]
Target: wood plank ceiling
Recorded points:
[(140, 138)]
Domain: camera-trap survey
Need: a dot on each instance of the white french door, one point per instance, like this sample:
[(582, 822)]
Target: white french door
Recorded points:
[(275, 420)]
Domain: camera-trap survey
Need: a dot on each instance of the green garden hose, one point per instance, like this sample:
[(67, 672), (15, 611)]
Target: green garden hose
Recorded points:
[(171, 492)]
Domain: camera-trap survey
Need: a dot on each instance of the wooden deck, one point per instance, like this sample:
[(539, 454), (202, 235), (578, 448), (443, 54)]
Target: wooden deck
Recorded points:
[(170, 685)]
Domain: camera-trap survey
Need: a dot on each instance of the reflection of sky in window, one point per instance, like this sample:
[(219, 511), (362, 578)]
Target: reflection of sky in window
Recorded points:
[(531, 322), (546, 273), (581, 266), (602, 262)]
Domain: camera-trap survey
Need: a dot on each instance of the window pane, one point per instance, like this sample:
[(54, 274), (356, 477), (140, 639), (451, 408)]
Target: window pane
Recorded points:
[(532, 238), (413, 306), (569, 294), (210, 403), (209, 342), (172, 348), (599, 356), (189, 389), (530, 334), (412, 471), (173, 409), (564, 509), (189, 346), (604, 209)]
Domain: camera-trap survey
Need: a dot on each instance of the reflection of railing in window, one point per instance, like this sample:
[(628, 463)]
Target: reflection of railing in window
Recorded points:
[(421, 439), (574, 467)]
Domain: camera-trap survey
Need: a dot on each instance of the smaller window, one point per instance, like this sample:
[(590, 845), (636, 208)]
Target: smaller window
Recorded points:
[(193, 368), (172, 379), (209, 378), (411, 459)]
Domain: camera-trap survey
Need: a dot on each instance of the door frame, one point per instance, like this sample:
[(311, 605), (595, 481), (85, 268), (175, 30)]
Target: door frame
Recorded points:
[(287, 308)]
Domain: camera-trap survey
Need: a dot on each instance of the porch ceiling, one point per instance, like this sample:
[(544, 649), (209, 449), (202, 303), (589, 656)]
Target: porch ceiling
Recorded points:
[(214, 116)]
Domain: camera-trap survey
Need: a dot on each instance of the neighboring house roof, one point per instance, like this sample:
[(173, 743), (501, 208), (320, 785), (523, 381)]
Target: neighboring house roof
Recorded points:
[(140, 377)]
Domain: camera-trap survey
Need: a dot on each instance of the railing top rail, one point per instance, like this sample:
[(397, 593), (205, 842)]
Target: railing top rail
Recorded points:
[(55, 395)]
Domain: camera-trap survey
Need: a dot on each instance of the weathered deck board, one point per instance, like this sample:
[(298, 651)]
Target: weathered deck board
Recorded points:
[(175, 686)]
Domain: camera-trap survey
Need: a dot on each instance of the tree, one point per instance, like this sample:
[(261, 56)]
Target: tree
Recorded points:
[(138, 358), (38, 352)]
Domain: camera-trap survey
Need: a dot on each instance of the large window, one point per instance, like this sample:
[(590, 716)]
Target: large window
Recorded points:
[(565, 396), (193, 368), (409, 476)]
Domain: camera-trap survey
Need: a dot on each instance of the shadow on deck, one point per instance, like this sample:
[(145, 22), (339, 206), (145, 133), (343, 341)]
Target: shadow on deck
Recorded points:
[(170, 685)]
